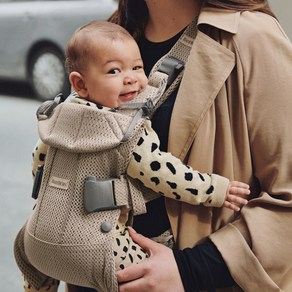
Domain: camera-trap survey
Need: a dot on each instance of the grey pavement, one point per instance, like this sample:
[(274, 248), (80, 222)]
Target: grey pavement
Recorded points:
[(18, 134)]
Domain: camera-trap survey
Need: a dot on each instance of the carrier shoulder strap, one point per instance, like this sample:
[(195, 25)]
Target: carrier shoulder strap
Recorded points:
[(173, 63)]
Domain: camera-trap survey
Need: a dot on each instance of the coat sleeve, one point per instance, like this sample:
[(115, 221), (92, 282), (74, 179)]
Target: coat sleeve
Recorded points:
[(257, 247), (167, 175)]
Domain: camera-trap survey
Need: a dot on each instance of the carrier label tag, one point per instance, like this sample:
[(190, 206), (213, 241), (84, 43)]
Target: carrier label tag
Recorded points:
[(59, 183), (187, 41)]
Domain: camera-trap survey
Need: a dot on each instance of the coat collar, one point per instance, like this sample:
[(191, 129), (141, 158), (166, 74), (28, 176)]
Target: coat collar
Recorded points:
[(220, 18), (208, 67)]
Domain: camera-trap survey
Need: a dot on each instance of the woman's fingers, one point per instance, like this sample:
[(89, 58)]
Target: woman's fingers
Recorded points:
[(134, 272), (158, 273), (131, 273)]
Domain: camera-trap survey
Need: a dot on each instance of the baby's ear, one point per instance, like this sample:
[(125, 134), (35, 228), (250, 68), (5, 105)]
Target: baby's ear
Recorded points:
[(78, 84)]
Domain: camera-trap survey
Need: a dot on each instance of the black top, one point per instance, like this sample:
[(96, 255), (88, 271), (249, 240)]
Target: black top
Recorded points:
[(201, 267)]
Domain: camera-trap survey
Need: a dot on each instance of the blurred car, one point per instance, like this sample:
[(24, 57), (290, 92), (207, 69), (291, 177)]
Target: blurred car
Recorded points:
[(33, 36)]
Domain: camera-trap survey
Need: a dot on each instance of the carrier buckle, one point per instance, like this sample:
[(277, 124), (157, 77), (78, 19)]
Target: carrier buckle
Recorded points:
[(37, 182), (172, 67), (99, 194), (148, 107), (46, 109)]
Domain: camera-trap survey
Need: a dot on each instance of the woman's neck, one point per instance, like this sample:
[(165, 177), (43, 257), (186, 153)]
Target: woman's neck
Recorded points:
[(168, 17)]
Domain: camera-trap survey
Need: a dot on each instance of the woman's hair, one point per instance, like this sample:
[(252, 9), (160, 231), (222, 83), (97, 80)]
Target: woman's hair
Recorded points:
[(133, 14), (242, 5), (83, 42)]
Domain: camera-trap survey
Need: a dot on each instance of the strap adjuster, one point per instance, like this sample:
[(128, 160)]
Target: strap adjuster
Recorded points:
[(46, 109), (148, 107), (172, 67)]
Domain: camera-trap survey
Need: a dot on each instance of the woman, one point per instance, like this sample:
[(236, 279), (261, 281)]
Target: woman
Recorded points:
[(231, 116)]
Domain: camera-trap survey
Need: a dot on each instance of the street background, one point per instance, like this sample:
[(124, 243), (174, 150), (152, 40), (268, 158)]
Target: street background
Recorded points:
[(18, 134), (283, 11)]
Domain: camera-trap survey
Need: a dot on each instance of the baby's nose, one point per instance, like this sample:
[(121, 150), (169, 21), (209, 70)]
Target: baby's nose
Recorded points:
[(130, 79)]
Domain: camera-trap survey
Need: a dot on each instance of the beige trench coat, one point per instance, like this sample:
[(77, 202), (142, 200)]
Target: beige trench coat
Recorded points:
[(233, 116)]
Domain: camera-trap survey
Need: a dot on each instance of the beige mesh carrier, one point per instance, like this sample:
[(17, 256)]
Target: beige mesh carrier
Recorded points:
[(69, 234)]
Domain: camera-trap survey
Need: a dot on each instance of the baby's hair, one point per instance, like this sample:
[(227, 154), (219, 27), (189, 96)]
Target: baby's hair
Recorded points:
[(79, 47)]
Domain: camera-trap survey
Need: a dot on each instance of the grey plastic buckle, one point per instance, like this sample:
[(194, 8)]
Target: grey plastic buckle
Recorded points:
[(37, 182), (99, 194), (148, 107), (46, 109), (172, 67)]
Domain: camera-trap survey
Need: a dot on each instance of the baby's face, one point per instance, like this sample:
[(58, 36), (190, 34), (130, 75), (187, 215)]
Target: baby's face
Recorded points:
[(115, 75)]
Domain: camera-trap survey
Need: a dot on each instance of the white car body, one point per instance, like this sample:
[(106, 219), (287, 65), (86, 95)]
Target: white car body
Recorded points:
[(26, 27)]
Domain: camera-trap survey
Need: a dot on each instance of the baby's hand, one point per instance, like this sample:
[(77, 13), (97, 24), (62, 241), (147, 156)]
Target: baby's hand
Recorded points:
[(235, 189)]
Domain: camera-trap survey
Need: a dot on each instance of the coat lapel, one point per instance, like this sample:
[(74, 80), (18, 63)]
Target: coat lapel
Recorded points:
[(208, 67)]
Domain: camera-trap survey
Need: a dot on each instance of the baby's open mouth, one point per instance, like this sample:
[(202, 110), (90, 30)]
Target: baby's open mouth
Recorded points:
[(128, 96)]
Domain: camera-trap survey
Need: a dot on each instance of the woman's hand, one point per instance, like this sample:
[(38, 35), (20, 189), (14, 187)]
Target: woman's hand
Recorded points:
[(236, 189), (158, 273)]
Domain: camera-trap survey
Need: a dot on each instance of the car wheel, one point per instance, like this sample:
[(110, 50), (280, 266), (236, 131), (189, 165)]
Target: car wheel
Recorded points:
[(47, 74)]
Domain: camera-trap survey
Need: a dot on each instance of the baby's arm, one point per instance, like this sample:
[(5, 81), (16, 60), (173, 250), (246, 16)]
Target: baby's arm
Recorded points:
[(167, 175)]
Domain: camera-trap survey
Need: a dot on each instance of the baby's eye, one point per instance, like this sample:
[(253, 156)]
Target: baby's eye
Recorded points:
[(114, 71), (137, 67)]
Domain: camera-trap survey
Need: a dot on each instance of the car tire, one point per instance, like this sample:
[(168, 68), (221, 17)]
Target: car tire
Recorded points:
[(47, 74)]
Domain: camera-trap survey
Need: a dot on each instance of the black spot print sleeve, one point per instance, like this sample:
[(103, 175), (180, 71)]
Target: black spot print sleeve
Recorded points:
[(167, 175)]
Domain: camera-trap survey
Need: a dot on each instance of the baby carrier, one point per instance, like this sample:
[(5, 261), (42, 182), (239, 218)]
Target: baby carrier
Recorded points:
[(83, 188)]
